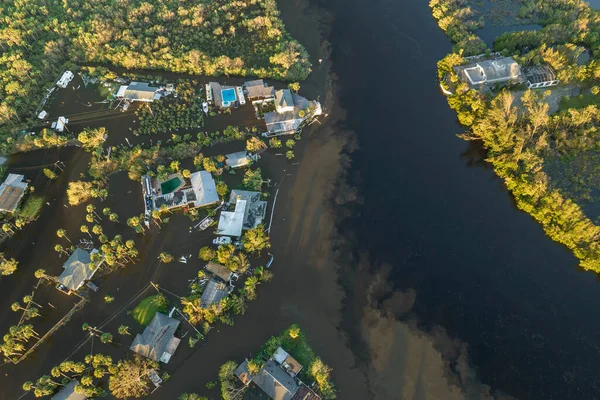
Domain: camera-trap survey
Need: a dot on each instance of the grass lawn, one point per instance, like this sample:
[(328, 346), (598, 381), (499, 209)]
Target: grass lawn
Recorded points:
[(144, 312), (581, 101)]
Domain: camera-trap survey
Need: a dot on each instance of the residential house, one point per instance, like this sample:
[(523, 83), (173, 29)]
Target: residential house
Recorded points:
[(12, 191), (255, 209), (175, 192), (68, 392), (60, 124), (204, 188), (78, 269), (287, 362), (540, 76), (237, 160), (258, 89), (214, 292), (278, 378), (158, 342), (231, 223), (284, 101), (138, 91), (289, 116), (503, 70), (219, 270)]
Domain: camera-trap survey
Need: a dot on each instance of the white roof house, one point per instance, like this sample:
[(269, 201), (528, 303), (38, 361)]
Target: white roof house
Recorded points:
[(11, 192), (65, 79), (499, 70), (231, 223), (60, 124), (43, 114), (204, 188), (237, 160), (138, 91)]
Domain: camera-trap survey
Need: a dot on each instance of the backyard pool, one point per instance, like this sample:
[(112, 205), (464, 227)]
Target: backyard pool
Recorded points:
[(228, 96), (169, 186)]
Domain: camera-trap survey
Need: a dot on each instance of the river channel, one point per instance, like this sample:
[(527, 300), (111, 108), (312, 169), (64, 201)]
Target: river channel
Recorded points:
[(461, 264)]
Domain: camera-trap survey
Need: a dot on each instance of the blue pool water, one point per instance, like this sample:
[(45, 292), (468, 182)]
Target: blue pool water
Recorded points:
[(228, 95)]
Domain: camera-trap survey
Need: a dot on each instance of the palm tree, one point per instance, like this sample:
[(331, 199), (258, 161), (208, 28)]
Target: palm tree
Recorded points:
[(86, 229), (166, 257), (61, 233), (250, 287), (7, 228), (106, 338), (106, 211), (113, 217), (59, 249), (90, 218), (97, 229), (91, 209), (124, 330)]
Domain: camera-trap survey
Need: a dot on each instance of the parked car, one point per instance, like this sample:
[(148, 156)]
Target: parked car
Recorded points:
[(92, 286)]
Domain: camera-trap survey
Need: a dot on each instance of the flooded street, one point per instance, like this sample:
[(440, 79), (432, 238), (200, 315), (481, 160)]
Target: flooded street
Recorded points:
[(397, 250)]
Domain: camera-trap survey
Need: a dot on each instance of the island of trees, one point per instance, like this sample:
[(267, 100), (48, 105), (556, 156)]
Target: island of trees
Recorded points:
[(547, 159)]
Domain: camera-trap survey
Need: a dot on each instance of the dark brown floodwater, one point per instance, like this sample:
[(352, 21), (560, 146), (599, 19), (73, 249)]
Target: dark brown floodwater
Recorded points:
[(397, 250)]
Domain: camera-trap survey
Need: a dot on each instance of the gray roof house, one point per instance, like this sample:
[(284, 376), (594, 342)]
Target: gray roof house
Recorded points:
[(76, 271), (158, 342), (490, 72), (284, 102), (11, 192), (275, 382), (214, 292), (256, 209), (68, 392), (258, 89), (138, 91)]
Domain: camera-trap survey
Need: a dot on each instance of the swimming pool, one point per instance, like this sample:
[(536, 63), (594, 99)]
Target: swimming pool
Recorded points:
[(228, 96), (170, 185)]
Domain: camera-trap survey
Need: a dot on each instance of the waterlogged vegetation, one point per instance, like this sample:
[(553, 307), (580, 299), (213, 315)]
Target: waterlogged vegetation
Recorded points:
[(40, 39), (545, 159), (295, 343)]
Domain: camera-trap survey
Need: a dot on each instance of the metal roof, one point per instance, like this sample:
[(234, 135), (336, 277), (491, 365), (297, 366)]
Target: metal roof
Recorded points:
[(11, 192), (77, 269), (214, 292), (284, 99), (158, 342), (275, 382), (204, 188), (256, 209), (231, 223)]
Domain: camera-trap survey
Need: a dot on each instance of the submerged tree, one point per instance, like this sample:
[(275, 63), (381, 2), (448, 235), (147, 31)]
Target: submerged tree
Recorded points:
[(130, 378)]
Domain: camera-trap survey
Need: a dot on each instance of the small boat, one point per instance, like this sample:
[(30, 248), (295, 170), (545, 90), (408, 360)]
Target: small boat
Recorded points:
[(205, 107)]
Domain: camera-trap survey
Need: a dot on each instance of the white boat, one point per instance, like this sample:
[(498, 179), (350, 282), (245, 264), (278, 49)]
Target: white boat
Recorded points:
[(205, 107)]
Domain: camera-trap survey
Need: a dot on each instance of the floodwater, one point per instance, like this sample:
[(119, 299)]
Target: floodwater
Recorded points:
[(438, 235), (490, 32), (409, 268)]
